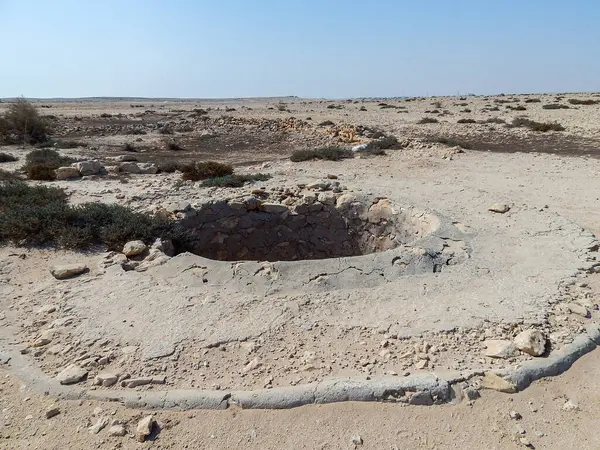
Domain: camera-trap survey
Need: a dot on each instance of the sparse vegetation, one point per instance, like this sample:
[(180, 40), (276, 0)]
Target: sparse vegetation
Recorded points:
[(21, 123), (6, 175), (533, 100), (235, 180), (327, 153), (129, 147), (426, 120), (450, 142), (555, 106), (466, 121), (326, 123), (204, 170), (494, 120), (335, 106), (40, 164), (576, 101), (40, 215), (7, 157), (166, 129), (173, 145), (536, 126)]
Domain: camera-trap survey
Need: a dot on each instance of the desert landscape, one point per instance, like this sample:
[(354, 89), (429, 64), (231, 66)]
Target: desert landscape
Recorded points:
[(271, 273)]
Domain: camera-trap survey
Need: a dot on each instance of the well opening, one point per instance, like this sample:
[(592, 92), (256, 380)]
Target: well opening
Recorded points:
[(248, 229)]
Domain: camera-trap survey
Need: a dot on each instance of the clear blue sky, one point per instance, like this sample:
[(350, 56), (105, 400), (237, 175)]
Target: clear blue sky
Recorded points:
[(309, 48)]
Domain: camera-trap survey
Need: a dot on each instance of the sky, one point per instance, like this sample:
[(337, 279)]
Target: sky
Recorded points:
[(308, 48)]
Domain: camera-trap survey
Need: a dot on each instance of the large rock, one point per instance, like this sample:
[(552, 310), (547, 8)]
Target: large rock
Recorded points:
[(148, 168), (64, 271), (382, 210), (497, 383), (71, 374), (532, 342), (500, 348), (144, 428), (134, 248), (144, 168), (92, 167), (65, 173)]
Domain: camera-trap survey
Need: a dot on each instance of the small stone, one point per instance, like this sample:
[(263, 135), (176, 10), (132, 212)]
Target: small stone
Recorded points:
[(99, 425), (255, 363), (134, 248), (117, 430), (578, 309), (497, 383), (71, 374), (422, 364), (514, 415), (422, 398), (46, 309), (532, 342), (500, 208), (51, 412), (570, 406), (500, 348), (144, 428), (65, 173), (356, 439), (524, 441), (332, 176), (41, 341), (64, 271), (106, 379), (471, 393)]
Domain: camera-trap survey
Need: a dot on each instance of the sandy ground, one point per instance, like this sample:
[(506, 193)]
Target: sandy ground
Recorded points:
[(560, 180)]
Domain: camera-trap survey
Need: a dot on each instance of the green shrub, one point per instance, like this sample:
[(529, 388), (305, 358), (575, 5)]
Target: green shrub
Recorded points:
[(6, 175), (235, 180), (7, 157), (21, 123), (40, 164), (40, 215), (536, 126), (466, 121), (426, 120), (204, 170), (555, 106), (576, 101), (327, 153)]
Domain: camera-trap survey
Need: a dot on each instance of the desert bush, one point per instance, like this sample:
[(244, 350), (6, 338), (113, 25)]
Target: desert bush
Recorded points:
[(170, 166), (466, 121), (166, 129), (235, 180), (6, 175), (335, 107), (494, 120), (41, 163), (383, 143), (173, 145), (204, 170), (466, 110), (7, 157), (518, 108), (533, 100), (536, 126), (326, 153), (576, 101), (21, 123), (450, 142), (555, 106), (129, 147), (283, 107), (105, 115), (425, 120), (362, 108), (326, 123), (40, 215), (136, 131)]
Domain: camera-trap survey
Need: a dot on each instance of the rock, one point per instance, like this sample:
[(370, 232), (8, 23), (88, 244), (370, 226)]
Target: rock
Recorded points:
[(117, 430), (422, 398), (93, 167), (497, 383), (134, 248), (52, 411), (356, 439), (331, 176), (141, 381), (524, 441), (274, 208), (500, 208), (327, 198), (125, 158), (471, 393), (46, 309), (144, 428), (106, 379), (164, 245), (129, 167), (570, 406), (499, 348), (155, 258), (346, 200), (514, 415), (99, 425), (255, 363), (382, 210), (578, 309), (532, 342), (360, 148), (64, 271), (148, 168), (55, 349), (175, 207), (41, 341), (71, 374), (65, 173)]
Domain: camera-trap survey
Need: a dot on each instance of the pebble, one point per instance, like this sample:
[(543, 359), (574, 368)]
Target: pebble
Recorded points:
[(570, 406), (117, 430), (51, 412), (71, 374), (106, 379), (514, 415), (144, 428), (532, 342), (356, 439), (500, 208), (99, 425), (134, 248), (255, 363), (62, 272)]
